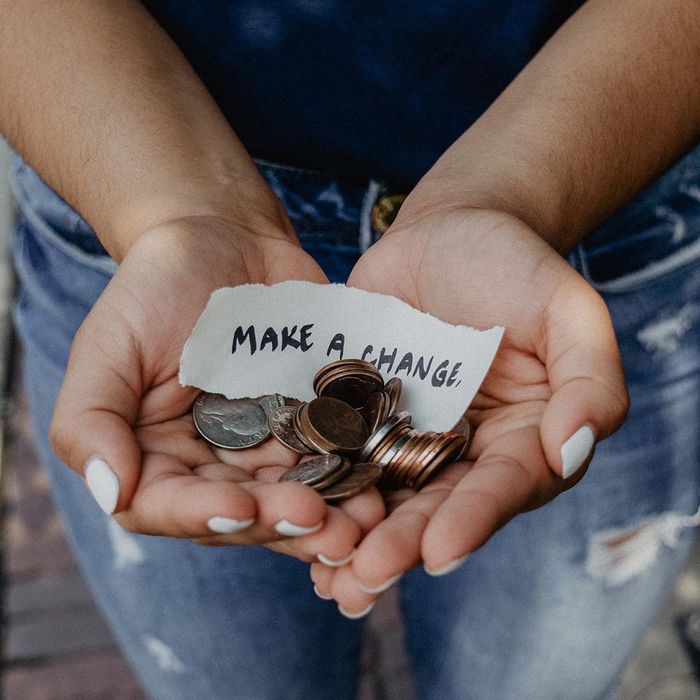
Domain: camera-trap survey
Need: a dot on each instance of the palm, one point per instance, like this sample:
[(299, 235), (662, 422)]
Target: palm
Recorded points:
[(483, 269)]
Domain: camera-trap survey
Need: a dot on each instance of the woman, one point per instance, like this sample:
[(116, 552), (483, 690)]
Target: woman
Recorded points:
[(127, 111)]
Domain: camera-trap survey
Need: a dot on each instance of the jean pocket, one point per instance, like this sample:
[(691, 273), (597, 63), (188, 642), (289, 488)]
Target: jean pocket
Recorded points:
[(61, 281), (657, 233), (55, 222)]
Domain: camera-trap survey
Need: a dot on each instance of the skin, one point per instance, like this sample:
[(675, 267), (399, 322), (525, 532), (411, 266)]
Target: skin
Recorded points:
[(133, 141)]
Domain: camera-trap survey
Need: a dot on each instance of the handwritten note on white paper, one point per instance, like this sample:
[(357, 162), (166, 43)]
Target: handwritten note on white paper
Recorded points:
[(256, 339)]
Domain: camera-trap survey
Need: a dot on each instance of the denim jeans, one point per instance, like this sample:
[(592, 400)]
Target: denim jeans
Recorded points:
[(551, 607)]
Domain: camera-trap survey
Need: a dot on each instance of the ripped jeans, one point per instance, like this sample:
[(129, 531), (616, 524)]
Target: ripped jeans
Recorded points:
[(550, 608)]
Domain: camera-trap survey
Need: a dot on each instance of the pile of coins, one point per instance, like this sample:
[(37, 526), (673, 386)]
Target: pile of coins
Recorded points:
[(408, 457), (353, 423)]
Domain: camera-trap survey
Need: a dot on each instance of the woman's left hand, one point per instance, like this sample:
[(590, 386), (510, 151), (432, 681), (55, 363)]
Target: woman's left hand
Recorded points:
[(555, 388)]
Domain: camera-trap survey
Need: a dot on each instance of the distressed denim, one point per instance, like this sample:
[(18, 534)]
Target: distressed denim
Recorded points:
[(551, 607)]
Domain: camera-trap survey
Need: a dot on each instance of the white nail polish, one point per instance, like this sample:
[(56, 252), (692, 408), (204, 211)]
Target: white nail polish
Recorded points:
[(227, 526), (333, 562), (284, 527), (575, 451), (355, 616), (322, 597), (103, 484), (382, 587), (447, 568)]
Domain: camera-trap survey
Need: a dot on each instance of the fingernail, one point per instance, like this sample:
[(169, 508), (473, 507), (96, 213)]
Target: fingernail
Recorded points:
[(382, 587), (284, 527), (321, 596), (103, 484), (355, 616), (576, 450), (447, 568), (332, 562), (227, 526)]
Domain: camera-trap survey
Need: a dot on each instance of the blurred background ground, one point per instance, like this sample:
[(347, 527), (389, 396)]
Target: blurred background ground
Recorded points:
[(55, 645)]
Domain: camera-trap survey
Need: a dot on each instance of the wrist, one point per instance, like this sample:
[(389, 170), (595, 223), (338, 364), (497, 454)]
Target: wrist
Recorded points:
[(494, 181), (181, 219), (216, 248)]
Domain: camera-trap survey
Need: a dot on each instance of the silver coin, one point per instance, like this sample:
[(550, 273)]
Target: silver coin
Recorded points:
[(464, 427), (318, 472), (271, 402), (360, 477), (403, 418), (230, 423), (282, 427)]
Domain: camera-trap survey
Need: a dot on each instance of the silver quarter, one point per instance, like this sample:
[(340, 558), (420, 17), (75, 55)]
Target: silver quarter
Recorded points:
[(270, 402), (233, 424), (318, 472), (281, 422), (360, 477)]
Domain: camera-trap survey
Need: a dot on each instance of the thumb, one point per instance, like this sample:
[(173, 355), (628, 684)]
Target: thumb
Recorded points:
[(589, 400), (91, 429)]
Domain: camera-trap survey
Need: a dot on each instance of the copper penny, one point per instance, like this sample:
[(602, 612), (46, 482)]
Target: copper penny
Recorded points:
[(335, 423), (353, 389), (452, 448), (376, 410), (393, 390)]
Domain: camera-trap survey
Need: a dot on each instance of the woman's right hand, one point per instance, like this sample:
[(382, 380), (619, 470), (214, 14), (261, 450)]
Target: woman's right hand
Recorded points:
[(123, 421)]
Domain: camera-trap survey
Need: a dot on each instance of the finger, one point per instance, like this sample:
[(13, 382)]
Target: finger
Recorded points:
[(333, 545), (367, 509), (394, 545), (172, 500), (353, 602), (495, 489), (91, 430), (322, 577), (585, 373)]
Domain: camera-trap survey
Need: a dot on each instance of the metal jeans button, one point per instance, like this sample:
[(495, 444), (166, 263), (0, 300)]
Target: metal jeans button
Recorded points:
[(385, 210)]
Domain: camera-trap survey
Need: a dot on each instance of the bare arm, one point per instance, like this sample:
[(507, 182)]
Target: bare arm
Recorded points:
[(98, 99), (102, 103), (610, 101)]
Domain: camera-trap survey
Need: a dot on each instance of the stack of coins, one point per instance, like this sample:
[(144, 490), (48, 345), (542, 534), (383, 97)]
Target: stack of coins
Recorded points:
[(333, 476), (351, 381), (409, 458), (353, 422)]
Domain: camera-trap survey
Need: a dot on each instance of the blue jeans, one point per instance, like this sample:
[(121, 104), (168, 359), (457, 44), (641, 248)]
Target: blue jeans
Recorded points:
[(551, 607)]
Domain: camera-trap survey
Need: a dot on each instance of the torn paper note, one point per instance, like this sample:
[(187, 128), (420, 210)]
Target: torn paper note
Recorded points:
[(257, 339)]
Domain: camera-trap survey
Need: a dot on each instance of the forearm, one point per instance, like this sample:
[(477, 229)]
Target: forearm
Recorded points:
[(605, 107), (102, 103)]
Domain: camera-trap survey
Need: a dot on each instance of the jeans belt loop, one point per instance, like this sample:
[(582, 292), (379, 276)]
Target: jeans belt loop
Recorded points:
[(375, 189)]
